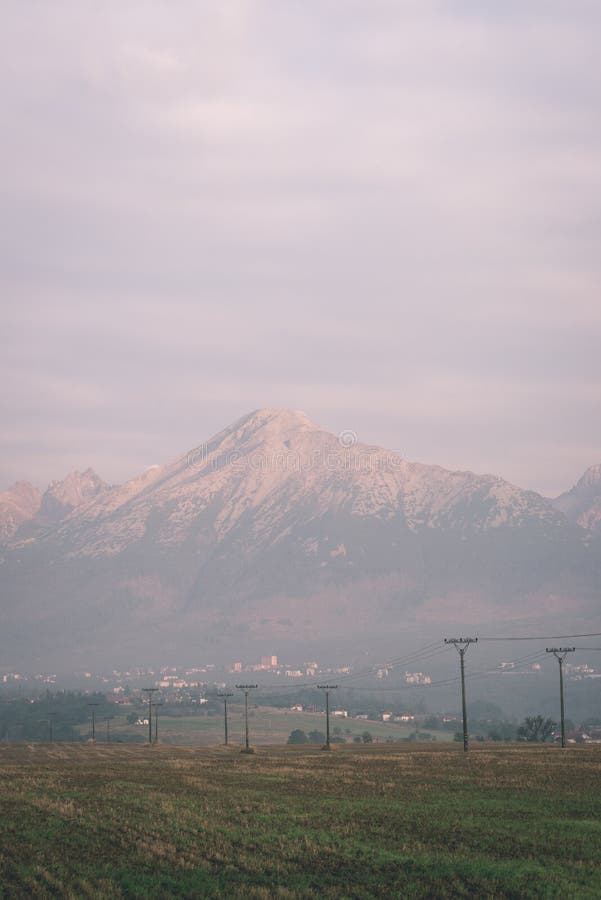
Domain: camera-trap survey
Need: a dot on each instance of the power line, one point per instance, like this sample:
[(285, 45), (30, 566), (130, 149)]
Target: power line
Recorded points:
[(489, 673), (484, 673), (422, 655), (401, 661), (544, 637)]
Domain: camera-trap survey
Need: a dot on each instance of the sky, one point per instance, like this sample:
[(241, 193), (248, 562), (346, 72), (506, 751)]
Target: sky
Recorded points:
[(386, 213)]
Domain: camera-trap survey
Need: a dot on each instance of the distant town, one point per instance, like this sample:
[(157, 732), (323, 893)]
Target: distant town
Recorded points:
[(183, 680)]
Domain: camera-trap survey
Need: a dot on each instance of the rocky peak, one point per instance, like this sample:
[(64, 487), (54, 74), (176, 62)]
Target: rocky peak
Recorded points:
[(268, 425), (590, 479), (62, 497), (582, 503), (19, 504)]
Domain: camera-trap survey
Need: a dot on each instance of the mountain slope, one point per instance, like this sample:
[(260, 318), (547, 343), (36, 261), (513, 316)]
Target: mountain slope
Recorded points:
[(275, 530), (582, 503), (19, 504), (61, 497)]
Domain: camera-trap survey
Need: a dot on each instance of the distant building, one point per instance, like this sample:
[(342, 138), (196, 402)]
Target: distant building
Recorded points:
[(269, 662)]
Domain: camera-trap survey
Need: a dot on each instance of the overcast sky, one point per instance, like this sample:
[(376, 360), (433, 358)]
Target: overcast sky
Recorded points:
[(386, 213)]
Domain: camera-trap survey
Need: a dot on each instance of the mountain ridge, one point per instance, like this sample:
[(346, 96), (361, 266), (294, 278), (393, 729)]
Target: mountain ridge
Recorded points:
[(275, 527)]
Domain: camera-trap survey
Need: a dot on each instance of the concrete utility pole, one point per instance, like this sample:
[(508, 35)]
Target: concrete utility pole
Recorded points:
[(327, 688), (560, 654), (93, 706), (246, 688), (150, 692), (224, 697), (462, 644)]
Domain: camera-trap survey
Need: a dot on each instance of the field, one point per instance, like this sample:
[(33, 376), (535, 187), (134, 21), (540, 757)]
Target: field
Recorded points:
[(268, 725), (386, 820)]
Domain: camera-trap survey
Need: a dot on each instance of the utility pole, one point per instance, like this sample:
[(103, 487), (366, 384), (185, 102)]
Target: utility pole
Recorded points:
[(224, 697), (93, 706), (149, 691), (462, 644), (107, 719), (246, 688), (327, 688), (50, 727), (560, 654), (156, 722)]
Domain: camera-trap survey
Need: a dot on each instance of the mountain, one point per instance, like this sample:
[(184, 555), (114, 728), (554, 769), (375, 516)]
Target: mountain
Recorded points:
[(278, 533), (582, 504), (61, 497), (19, 504), (25, 512)]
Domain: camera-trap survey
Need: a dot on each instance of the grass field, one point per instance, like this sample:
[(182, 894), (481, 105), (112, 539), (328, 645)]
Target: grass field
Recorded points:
[(369, 821), (268, 725)]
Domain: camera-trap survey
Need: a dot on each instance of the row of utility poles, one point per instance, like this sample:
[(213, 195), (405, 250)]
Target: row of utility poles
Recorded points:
[(51, 720), (246, 688), (462, 643), (107, 720)]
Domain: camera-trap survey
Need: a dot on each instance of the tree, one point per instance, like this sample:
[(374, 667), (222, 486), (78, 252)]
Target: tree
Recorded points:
[(317, 737), (298, 736), (366, 737), (432, 722), (536, 729)]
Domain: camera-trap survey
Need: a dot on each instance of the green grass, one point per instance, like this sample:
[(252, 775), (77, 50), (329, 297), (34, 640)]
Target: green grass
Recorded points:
[(268, 725), (369, 821)]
